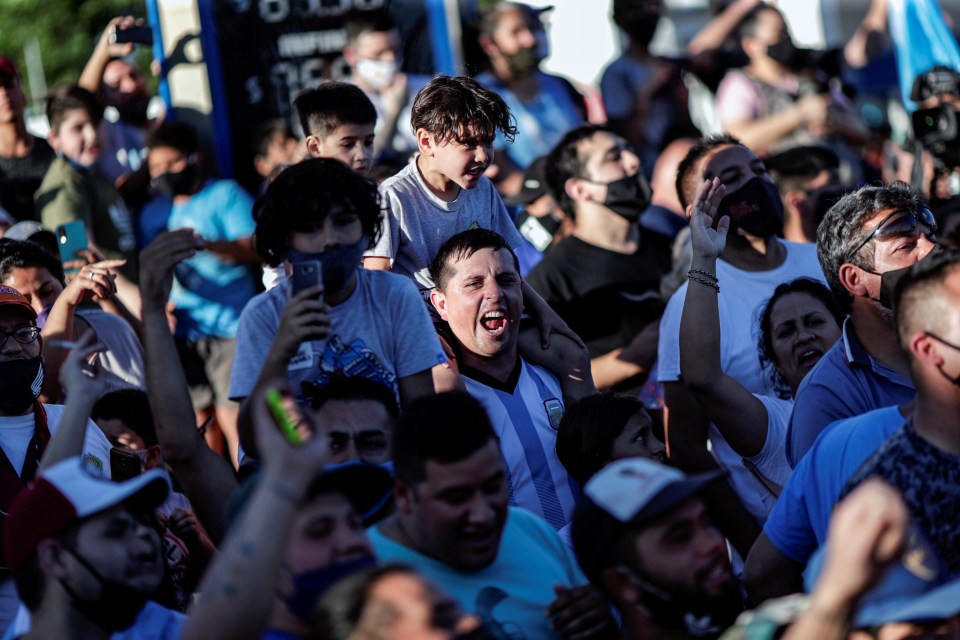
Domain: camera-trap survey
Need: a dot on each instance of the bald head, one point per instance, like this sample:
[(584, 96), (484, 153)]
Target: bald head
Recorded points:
[(664, 179)]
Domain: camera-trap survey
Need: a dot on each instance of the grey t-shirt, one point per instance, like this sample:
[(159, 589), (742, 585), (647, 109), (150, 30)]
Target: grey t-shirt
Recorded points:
[(381, 332), (417, 222)]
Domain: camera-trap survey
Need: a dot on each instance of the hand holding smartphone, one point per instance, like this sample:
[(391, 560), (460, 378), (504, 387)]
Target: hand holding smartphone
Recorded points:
[(306, 274)]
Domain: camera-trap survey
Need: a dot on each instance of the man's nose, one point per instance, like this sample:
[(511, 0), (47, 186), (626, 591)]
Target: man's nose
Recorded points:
[(631, 162)]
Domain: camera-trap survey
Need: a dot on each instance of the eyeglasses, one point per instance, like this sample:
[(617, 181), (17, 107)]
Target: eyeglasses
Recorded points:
[(899, 223), (930, 334), (23, 335)]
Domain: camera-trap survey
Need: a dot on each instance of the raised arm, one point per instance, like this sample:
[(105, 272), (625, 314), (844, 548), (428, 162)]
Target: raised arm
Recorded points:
[(207, 479), (238, 590), (104, 52), (716, 32), (737, 413)]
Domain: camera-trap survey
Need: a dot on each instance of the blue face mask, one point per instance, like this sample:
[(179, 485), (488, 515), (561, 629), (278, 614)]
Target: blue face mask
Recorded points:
[(309, 586), (338, 264)]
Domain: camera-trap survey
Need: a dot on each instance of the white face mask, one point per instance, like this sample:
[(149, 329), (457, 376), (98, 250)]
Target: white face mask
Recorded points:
[(377, 73)]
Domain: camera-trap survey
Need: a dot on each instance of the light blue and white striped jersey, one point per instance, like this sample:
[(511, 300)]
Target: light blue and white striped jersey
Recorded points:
[(525, 421)]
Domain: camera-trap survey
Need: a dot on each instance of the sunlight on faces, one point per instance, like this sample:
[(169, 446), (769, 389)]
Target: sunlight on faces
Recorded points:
[(483, 302), (163, 160), (516, 30), (375, 45), (358, 429), (637, 440), (12, 100), (339, 227), (326, 531), (605, 157), (463, 163), (457, 513), (36, 284), (683, 553), (122, 82), (351, 144), (802, 330), (78, 138), (734, 165), (11, 319), (419, 610)]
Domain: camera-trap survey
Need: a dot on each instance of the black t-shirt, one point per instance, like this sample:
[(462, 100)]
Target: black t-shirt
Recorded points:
[(606, 297), (21, 177)]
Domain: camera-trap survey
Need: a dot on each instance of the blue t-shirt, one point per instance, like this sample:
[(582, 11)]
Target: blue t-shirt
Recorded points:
[(846, 382), (209, 292), (511, 595), (797, 526), (541, 122)]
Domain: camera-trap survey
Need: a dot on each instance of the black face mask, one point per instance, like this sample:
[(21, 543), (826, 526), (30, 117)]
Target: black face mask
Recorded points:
[(20, 384), (523, 62), (890, 279), (117, 606), (180, 183), (538, 230), (134, 111), (785, 53), (755, 207), (628, 197)]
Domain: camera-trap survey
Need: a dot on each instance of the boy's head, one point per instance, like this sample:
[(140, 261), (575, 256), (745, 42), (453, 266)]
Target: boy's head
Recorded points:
[(456, 119), (338, 121), (303, 197), (75, 115), (173, 159), (274, 145)]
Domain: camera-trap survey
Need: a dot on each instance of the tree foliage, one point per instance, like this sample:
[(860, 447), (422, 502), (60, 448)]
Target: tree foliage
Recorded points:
[(66, 30)]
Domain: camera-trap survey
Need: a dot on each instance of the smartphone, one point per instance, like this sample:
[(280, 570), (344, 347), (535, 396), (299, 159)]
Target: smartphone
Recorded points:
[(124, 465), (71, 238), (135, 34), (283, 409), (306, 274)]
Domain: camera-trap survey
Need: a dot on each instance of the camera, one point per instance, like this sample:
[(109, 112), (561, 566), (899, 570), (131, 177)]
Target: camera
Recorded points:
[(936, 127)]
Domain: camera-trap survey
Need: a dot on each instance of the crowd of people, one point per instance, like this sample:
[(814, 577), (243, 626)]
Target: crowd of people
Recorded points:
[(466, 365)]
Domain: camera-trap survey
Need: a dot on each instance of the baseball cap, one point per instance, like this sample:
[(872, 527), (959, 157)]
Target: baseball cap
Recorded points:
[(368, 487), (65, 493), (918, 587), (534, 183), (10, 296), (7, 68), (623, 495)]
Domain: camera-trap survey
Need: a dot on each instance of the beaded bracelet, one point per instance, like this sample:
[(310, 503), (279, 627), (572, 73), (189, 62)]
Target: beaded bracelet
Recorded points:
[(703, 273), (709, 283)]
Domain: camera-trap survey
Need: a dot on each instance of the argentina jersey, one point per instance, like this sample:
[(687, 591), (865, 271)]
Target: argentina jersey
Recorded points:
[(526, 422)]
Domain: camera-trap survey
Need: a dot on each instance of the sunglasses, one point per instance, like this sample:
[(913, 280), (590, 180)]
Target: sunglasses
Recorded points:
[(898, 224)]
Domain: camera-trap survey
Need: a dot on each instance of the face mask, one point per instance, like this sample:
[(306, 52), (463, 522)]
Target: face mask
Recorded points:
[(784, 53), (117, 606), (377, 73), (755, 207), (177, 184), (523, 62), (338, 264), (20, 384), (538, 230), (628, 197), (134, 111), (890, 279), (309, 586)]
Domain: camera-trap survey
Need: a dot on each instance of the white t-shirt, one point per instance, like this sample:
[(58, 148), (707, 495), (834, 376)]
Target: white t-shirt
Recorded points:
[(417, 222), (742, 295)]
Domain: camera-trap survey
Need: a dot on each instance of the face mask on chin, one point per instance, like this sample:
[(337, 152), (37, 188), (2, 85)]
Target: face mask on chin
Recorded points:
[(20, 384), (755, 207)]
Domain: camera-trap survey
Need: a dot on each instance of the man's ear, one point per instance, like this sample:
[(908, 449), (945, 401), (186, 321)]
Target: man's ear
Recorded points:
[(50, 556), (403, 497), (349, 56), (314, 146), (488, 46), (619, 583), (797, 200), (852, 280), (925, 349), (439, 302), (154, 457), (53, 140), (576, 190)]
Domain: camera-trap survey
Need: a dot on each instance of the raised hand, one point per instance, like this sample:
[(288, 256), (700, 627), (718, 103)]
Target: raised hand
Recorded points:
[(706, 240), (158, 261)]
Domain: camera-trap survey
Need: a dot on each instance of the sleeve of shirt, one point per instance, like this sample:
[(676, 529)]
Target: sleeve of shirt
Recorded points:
[(738, 99), (668, 344), (257, 328), (772, 459), (63, 201), (788, 527), (237, 213), (389, 241), (417, 347)]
